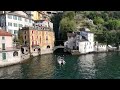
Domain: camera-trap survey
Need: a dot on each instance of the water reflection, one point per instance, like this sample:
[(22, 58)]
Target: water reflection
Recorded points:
[(40, 67), (86, 66), (91, 66), (12, 72)]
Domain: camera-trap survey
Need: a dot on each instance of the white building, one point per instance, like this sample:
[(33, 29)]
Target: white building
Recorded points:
[(8, 53), (86, 43), (100, 47), (12, 21), (82, 41), (43, 23)]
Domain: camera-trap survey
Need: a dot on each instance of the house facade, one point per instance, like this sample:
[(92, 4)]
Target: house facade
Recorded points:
[(83, 41), (8, 53), (14, 20), (39, 40)]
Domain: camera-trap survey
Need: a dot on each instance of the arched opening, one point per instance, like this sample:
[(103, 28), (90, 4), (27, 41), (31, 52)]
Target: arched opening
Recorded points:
[(22, 50), (15, 53), (48, 46), (39, 50)]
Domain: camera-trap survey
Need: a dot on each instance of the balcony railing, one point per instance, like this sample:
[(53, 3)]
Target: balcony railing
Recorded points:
[(8, 49)]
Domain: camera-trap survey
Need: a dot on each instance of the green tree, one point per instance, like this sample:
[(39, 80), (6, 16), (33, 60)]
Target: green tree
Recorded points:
[(113, 24), (98, 20), (69, 14), (67, 25), (20, 37)]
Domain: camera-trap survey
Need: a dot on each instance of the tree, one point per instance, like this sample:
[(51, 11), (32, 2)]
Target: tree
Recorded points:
[(20, 37), (113, 24), (69, 14), (67, 25), (98, 20)]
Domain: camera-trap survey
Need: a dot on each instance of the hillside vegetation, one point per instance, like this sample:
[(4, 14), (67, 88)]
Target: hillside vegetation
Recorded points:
[(104, 24)]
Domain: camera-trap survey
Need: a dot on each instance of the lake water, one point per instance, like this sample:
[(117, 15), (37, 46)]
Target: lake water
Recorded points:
[(91, 66)]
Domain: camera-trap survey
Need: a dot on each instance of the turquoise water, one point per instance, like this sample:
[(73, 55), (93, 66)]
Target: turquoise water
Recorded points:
[(91, 66)]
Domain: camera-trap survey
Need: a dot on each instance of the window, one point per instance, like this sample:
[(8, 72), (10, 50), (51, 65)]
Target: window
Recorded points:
[(3, 46), (40, 39), (15, 31), (32, 32), (15, 24), (20, 18), (25, 42), (9, 24), (25, 37), (10, 16), (20, 25), (25, 32), (3, 38), (3, 56), (10, 31), (15, 17), (15, 53), (32, 37)]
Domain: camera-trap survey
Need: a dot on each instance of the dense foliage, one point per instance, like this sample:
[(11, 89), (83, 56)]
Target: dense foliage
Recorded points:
[(104, 24)]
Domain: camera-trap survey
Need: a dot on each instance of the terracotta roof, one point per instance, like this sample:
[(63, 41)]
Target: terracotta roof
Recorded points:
[(4, 33)]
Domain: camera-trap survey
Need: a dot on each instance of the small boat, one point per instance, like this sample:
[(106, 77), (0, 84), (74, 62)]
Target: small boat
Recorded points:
[(61, 60)]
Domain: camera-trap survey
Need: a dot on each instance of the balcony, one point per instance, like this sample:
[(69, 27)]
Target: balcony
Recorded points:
[(7, 49)]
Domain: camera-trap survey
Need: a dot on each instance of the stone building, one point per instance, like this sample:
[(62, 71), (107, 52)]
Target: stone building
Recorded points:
[(38, 40), (8, 53)]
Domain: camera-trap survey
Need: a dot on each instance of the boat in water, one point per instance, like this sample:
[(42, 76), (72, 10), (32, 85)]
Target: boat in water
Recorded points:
[(61, 60)]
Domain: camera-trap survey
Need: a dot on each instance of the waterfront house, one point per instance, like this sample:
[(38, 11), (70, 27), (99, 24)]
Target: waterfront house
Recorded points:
[(98, 47), (83, 41), (86, 42), (12, 21), (8, 53), (39, 40)]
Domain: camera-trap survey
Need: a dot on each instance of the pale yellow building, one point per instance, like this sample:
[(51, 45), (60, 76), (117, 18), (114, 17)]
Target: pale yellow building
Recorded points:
[(39, 15), (38, 40)]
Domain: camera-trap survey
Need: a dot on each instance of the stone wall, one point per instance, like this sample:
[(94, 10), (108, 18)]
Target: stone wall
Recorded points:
[(46, 51)]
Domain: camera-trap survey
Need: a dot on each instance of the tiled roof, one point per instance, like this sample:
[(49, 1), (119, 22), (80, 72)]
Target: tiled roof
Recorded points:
[(4, 33)]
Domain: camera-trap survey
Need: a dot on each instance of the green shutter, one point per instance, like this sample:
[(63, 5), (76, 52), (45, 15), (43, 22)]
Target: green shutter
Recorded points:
[(4, 56), (3, 46)]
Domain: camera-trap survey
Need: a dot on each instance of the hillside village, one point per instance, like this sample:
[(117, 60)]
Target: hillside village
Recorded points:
[(24, 34), (31, 33)]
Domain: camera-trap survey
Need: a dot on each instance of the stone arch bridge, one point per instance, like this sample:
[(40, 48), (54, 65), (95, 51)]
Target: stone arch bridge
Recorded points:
[(57, 47)]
